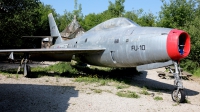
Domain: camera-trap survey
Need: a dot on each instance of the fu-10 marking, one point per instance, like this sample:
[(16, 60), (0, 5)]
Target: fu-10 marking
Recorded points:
[(118, 42), (138, 47)]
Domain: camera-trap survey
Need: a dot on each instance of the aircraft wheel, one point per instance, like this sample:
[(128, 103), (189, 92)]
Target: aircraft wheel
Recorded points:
[(28, 68), (180, 98)]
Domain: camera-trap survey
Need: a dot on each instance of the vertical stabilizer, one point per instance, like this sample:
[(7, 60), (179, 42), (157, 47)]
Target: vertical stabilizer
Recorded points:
[(54, 29)]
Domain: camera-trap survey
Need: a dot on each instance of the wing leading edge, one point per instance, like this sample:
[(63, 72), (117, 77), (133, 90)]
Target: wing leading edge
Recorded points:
[(51, 54)]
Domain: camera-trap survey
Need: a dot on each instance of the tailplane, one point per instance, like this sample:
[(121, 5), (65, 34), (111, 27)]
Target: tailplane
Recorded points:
[(54, 29)]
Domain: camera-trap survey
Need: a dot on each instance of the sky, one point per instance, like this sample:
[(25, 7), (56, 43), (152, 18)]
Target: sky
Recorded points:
[(98, 6)]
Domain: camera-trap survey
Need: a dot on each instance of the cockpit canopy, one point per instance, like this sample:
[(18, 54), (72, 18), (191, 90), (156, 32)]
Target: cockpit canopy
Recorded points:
[(115, 22)]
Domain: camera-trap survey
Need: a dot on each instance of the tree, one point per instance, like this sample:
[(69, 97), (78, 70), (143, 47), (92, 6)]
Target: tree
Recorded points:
[(176, 13), (184, 14), (42, 27), (91, 20), (64, 20), (116, 9), (192, 62), (78, 10), (141, 18), (67, 18), (17, 18)]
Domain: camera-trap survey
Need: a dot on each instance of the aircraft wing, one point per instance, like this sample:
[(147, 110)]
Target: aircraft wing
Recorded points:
[(50, 54), (68, 50)]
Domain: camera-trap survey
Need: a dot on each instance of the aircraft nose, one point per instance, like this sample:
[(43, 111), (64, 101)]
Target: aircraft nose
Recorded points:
[(178, 44)]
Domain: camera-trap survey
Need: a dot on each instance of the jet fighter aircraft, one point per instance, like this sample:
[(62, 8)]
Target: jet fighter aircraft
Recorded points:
[(118, 42)]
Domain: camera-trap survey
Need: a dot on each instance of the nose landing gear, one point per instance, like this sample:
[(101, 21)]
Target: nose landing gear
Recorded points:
[(178, 94)]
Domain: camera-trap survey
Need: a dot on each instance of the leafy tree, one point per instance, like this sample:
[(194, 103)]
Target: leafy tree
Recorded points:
[(91, 20), (67, 18), (78, 10), (42, 28), (192, 62), (64, 20), (17, 18), (141, 18), (176, 13), (184, 14), (116, 9)]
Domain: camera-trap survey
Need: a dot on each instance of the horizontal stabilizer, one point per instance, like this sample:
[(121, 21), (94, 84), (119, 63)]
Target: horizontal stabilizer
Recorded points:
[(153, 65)]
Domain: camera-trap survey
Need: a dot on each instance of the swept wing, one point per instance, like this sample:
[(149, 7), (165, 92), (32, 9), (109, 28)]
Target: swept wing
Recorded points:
[(49, 54)]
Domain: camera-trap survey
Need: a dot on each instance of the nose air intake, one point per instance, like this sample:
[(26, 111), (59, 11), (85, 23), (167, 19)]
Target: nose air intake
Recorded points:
[(178, 44)]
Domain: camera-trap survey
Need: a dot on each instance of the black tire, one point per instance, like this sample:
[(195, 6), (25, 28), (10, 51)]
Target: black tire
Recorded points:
[(28, 68), (180, 98)]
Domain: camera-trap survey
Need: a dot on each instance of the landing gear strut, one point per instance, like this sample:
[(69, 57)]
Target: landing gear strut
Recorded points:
[(26, 68), (178, 94)]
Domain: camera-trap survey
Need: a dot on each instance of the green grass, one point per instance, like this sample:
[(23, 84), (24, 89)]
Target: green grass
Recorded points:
[(9, 76), (127, 94), (17, 76), (62, 69), (100, 75), (98, 91), (144, 91), (176, 104), (197, 73), (11, 73), (104, 76), (121, 85), (157, 98), (103, 82), (187, 101)]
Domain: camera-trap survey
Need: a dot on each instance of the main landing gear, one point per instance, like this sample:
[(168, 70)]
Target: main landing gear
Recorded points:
[(178, 94), (26, 68)]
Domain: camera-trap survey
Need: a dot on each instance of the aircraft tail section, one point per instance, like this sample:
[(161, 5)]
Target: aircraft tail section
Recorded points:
[(54, 29)]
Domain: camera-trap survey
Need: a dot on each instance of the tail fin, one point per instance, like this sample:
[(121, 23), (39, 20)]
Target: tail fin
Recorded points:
[(54, 29)]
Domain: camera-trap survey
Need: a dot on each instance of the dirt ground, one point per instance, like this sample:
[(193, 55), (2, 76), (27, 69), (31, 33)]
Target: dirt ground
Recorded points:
[(58, 94)]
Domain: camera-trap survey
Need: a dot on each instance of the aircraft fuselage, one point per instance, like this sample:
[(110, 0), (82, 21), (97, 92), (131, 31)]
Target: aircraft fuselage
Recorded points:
[(127, 46)]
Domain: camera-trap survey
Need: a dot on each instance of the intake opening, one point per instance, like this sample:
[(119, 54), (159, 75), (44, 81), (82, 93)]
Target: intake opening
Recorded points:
[(178, 44), (181, 44)]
